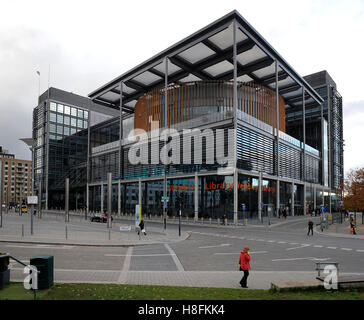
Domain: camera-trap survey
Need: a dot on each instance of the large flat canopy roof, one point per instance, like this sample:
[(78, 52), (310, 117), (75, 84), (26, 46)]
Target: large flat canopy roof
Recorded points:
[(208, 55)]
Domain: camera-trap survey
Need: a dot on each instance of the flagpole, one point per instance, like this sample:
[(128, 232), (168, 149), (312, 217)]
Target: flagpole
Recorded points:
[(38, 73)]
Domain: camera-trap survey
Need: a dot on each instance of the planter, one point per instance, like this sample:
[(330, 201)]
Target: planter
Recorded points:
[(4, 261), (4, 278), (4, 271)]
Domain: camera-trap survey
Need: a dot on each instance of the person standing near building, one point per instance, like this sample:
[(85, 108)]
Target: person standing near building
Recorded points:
[(310, 227), (244, 265)]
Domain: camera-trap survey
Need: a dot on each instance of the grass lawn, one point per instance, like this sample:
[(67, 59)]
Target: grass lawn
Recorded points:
[(60, 291)]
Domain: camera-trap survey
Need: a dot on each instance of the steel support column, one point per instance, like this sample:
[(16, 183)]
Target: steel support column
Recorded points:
[(304, 148), (277, 140), (121, 153), (278, 200), (236, 199), (102, 198), (165, 127), (196, 197), (292, 199), (260, 197), (314, 198), (109, 198), (119, 197), (40, 199)]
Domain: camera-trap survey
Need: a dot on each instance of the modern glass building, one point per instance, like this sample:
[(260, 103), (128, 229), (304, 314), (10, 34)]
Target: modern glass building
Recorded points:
[(61, 124), (207, 124)]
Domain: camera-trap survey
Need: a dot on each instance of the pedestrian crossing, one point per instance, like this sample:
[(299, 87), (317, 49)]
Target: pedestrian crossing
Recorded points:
[(300, 245)]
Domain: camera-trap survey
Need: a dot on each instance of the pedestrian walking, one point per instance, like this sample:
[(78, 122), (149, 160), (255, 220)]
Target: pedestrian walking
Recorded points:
[(284, 213), (244, 266), (224, 219), (352, 226), (310, 227), (142, 228)]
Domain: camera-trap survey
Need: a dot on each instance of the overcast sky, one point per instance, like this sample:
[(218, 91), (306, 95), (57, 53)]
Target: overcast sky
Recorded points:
[(88, 43)]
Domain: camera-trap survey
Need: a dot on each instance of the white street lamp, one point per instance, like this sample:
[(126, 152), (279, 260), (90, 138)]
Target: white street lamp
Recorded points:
[(31, 143)]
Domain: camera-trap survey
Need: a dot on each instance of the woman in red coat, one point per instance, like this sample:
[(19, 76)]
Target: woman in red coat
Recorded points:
[(244, 265)]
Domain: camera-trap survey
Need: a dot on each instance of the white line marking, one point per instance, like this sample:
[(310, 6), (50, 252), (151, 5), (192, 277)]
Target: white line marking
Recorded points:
[(126, 266), (175, 258), (308, 258), (137, 255), (271, 241), (218, 246), (304, 246), (359, 250), (237, 253), (282, 242), (293, 243), (331, 248), (346, 249), (318, 246)]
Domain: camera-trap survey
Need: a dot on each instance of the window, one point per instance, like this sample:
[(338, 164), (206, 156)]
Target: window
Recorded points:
[(52, 128), (60, 118), (79, 123), (85, 114), (59, 129), (52, 117), (67, 110), (74, 112), (53, 106), (60, 108), (73, 122), (73, 130), (67, 120), (66, 131), (85, 124), (80, 113)]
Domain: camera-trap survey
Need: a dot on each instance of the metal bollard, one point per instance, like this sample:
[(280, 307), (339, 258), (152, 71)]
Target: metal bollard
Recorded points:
[(109, 233), (66, 233), (22, 230)]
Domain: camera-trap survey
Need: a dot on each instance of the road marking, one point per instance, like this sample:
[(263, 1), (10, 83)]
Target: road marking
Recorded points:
[(308, 258), (318, 246), (346, 249), (282, 242), (138, 255), (304, 246), (126, 266), (359, 250), (175, 258), (218, 246), (331, 248), (271, 241), (237, 253), (293, 243)]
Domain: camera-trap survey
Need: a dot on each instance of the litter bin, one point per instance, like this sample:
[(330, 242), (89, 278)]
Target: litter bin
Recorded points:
[(45, 266)]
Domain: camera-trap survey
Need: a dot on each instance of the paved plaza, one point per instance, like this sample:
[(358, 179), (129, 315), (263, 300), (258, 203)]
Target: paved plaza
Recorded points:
[(203, 256)]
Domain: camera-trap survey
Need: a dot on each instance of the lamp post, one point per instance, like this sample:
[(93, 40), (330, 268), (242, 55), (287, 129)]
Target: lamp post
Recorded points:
[(31, 143)]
